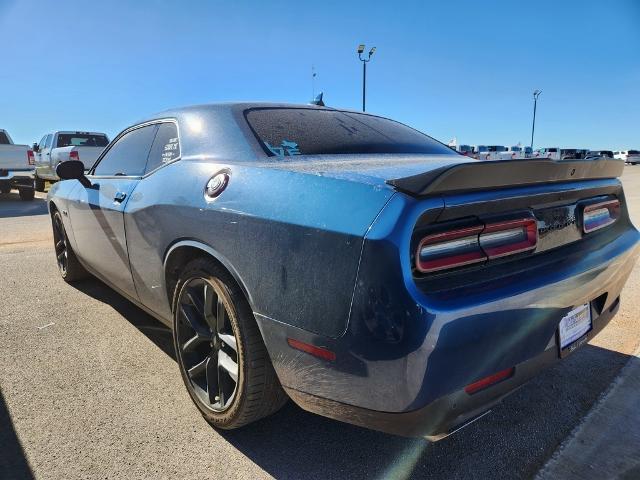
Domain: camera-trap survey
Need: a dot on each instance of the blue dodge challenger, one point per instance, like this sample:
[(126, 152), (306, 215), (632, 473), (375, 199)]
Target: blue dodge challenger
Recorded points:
[(346, 261)]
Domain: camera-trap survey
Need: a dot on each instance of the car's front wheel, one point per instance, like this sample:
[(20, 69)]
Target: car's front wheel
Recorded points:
[(222, 357), (68, 264)]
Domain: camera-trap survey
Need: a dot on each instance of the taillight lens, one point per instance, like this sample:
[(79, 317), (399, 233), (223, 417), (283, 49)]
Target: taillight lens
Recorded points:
[(31, 158), (509, 238), (600, 215), (74, 155), (451, 249), (465, 246)]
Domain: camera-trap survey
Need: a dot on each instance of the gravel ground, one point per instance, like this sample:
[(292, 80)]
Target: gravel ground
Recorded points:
[(90, 389)]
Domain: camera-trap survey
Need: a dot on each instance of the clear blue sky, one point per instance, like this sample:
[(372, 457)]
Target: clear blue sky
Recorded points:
[(464, 69)]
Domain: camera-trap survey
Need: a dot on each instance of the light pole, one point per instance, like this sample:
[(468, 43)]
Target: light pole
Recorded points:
[(364, 71), (536, 94)]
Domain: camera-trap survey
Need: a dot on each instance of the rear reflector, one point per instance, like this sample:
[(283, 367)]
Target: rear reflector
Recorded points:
[(600, 215), (486, 382), (319, 352), (74, 155), (475, 244), (31, 158)]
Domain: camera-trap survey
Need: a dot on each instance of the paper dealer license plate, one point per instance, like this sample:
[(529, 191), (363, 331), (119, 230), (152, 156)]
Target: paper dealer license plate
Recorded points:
[(574, 325)]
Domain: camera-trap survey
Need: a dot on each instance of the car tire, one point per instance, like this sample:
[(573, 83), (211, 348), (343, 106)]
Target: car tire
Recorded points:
[(27, 194), (40, 185), (70, 268), (216, 338)]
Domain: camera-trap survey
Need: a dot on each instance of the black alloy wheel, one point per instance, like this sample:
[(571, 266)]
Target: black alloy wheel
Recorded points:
[(222, 358), (207, 343)]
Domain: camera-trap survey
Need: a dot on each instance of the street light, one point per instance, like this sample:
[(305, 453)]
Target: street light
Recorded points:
[(364, 71), (536, 94)]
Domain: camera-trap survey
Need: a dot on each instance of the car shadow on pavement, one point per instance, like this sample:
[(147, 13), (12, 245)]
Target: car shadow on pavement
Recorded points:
[(513, 441), (155, 330), (12, 206), (13, 461)]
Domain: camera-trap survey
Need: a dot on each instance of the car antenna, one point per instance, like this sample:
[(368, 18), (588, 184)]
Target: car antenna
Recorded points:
[(317, 100)]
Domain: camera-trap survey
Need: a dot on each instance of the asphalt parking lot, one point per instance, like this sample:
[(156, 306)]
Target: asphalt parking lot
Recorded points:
[(90, 388)]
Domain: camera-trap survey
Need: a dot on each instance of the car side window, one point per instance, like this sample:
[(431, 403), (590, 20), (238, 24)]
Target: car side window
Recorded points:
[(128, 156), (43, 141), (165, 148), (48, 141)]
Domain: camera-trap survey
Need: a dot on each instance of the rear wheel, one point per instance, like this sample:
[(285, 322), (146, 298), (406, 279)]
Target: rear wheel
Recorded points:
[(40, 185), (68, 265), (222, 358), (27, 194)]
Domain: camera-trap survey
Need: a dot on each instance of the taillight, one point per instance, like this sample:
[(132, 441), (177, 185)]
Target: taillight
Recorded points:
[(74, 155), (466, 246), (449, 249), (509, 238), (31, 158), (600, 215)]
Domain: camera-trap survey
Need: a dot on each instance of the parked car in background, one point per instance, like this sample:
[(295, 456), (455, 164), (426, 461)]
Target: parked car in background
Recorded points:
[(573, 153), (17, 164), (620, 155), (633, 157), (596, 154), (57, 147), (511, 153), (491, 152), (552, 153), (528, 152), (346, 261), (466, 150)]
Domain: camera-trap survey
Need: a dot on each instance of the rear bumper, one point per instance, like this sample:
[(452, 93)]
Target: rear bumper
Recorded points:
[(410, 349), (17, 178), (451, 412)]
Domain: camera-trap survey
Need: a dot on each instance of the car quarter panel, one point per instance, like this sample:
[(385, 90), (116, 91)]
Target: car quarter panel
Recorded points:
[(409, 344), (294, 240)]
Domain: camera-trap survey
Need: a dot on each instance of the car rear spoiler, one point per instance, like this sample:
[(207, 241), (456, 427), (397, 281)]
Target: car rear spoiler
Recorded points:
[(488, 175)]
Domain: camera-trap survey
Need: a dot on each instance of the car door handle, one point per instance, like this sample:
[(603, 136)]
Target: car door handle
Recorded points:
[(120, 196)]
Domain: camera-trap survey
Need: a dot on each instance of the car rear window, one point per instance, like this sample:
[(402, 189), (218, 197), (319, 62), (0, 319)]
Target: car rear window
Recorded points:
[(285, 132), (633, 152), (81, 140), (4, 140)]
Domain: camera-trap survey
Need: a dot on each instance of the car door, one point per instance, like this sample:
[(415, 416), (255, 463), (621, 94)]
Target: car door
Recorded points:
[(44, 156), (97, 212)]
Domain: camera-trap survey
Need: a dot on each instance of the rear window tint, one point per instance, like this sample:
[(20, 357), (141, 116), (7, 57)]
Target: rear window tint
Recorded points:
[(4, 140), (633, 152), (81, 140), (285, 132)]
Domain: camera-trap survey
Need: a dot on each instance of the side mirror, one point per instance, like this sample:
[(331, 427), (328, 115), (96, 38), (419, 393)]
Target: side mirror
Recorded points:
[(35, 147), (72, 170)]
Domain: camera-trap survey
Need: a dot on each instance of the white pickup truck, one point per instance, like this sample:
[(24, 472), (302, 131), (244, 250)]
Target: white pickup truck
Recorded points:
[(16, 167), (58, 147)]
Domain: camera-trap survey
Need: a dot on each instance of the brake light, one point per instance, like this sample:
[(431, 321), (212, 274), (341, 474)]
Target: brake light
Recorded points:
[(486, 382), (466, 246), (600, 215), (31, 158), (450, 249), (509, 238), (74, 155)]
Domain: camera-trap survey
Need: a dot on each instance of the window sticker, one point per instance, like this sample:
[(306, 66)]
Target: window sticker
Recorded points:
[(171, 150), (286, 148)]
